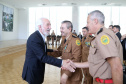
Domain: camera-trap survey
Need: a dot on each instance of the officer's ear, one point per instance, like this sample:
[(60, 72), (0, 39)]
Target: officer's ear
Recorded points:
[(95, 21), (70, 29)]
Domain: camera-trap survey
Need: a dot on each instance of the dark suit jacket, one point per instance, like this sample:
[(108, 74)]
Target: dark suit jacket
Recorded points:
[(36, 57), (124, 49), (119, 35), (80, 36)]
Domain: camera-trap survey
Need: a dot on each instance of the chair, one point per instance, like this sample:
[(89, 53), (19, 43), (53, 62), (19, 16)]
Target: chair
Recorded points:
[(53, 38), (48, 39), (58, 39)]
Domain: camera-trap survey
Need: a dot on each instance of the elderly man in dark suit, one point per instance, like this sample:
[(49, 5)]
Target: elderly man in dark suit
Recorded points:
[(36, 55)]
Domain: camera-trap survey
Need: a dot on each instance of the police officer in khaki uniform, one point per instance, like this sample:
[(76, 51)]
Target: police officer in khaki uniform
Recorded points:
[(105, 53), (70, 48), (85, 52)]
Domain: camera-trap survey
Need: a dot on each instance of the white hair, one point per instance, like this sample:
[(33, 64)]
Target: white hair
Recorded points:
[(98, 15), (39, 22)]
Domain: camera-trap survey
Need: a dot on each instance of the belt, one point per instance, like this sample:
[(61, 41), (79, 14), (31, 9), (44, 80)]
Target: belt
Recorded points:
[(104, 80)]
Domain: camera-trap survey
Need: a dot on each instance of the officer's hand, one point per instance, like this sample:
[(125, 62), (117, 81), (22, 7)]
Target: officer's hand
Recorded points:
[(54, 50), (68, 65), (63, 79)]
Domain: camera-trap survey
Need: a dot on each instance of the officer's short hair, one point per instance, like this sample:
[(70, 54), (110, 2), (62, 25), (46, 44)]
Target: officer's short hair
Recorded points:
[(111, 26), (117, 26), (85, 28), (97, 14), (68, 23)]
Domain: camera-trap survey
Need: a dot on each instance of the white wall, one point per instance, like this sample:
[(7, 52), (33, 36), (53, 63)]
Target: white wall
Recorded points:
[(23, 23), (9, 35)]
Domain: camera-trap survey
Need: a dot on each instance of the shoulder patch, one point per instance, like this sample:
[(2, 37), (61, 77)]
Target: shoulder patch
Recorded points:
[(78, 42), (74, 36), (105, 40)]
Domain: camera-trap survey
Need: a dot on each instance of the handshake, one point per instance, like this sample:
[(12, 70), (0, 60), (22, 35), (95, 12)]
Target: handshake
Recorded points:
[(68, 65)]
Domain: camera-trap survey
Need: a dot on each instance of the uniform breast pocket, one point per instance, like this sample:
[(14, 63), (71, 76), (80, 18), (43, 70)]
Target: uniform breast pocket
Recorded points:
[(93, 51), (67, 50), (92, 54), (96, 56), (67, 53)]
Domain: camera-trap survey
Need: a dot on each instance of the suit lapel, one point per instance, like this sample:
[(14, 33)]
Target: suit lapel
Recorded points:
[(39, 35)]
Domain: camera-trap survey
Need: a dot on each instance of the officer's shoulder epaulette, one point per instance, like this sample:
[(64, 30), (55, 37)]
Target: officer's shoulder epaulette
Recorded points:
[(74, 36), (100, 31)]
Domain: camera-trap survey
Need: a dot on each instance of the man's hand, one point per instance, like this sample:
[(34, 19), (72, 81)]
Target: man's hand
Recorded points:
[(64, 78), (68, 65), (81, 64)]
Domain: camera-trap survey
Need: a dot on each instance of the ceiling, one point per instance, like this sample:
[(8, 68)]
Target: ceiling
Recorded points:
[(36, 3)]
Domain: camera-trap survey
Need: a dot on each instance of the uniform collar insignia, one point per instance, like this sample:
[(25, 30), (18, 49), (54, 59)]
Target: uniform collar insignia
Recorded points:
[(101, 29)]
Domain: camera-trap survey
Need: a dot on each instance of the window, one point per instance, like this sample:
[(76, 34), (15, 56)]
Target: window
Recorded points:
[(115, 15), (122, 20), (55, 14), (84, 10)]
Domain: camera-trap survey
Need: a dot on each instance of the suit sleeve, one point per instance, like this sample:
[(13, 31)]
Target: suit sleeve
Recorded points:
[(40, 53), (54, 54)]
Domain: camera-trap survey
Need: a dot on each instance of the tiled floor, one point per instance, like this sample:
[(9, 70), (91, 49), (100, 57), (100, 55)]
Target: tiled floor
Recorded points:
[(11, 70)]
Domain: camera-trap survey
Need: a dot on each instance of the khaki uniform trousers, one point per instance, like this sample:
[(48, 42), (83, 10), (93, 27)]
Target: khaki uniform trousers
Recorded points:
[(88, 79), (95, 82), (73, 82)]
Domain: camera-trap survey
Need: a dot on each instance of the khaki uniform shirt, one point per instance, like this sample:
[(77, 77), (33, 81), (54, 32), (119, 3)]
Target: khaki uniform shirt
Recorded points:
[(86, 41), (105, 44), (71, 49)]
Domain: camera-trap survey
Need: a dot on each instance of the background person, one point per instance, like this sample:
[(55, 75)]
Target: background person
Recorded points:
[(80, 36), (86, 41), (74, 32), (116, 30)]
